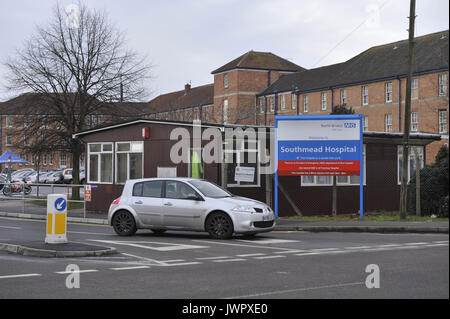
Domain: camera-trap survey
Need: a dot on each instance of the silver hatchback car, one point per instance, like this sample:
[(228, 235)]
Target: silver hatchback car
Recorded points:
[(162, 204)]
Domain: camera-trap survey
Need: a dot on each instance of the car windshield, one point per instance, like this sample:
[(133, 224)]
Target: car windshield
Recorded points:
[(209, 189)]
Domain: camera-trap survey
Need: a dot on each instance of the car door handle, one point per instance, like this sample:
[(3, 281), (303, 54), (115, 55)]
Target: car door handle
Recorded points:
[(138, 202), (168, 204)]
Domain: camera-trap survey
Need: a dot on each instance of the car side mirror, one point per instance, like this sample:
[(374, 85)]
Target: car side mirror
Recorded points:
[(194, 197)]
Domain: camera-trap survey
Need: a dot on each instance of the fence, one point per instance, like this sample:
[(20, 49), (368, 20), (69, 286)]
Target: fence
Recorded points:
[(33, 198)]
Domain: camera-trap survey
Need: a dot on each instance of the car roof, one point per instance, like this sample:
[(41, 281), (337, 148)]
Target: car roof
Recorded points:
[(182, 179)]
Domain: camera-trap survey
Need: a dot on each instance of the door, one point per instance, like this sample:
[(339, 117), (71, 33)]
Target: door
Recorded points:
[(147, 202), (182, 206)]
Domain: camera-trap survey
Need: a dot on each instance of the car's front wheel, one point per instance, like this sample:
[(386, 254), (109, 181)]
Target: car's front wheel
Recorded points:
[(124, 224), (219, 226)]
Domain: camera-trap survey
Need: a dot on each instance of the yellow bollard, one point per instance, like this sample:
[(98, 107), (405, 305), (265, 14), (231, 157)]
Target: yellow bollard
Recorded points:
[(56, 219)]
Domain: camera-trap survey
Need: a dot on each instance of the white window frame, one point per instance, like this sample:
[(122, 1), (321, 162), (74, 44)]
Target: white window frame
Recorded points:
[(282, 102), (225, 111), (365, 123), (343, 97), (414, 121), (414, 88), (225, 81), (116, 152), (420, 150), (443, 122), (388, 123), (9, 121), (294, 101), (305, 103), (272, 103), (99, 162), (365, 95), (323, 101), (8, 140), (388, 91), (443, 86), (261, 104), (63, 160)]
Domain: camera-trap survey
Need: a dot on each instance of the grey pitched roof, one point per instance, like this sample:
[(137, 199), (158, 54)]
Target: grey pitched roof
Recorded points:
[(259, 61), (375, 64)]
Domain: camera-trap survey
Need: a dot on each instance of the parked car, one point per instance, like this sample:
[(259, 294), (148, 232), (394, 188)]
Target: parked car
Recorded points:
[(190, 204), (20, 176), (67, 175), (55, 178)]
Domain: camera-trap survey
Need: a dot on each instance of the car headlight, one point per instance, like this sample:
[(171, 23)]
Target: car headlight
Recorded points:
[(244, 209)]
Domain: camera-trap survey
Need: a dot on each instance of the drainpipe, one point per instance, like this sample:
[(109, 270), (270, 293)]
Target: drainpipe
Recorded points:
[(399, 104), (332, 98), (265, 110)]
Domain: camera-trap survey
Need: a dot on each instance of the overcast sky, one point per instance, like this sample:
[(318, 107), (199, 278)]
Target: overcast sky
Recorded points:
[(185, 40)]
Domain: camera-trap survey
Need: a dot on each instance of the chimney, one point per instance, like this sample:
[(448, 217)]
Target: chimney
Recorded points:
[(187, 87)]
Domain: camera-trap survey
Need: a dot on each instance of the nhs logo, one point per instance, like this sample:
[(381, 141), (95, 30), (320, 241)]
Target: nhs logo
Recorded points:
[(349, 125)]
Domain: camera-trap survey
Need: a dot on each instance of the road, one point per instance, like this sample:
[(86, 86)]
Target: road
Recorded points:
[(288, 265)]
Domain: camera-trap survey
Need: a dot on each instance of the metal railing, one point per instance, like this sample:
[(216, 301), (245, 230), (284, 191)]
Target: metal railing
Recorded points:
[(32, 192)]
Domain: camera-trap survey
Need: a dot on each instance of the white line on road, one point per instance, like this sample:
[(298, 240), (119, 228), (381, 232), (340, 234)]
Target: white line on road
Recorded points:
[(250, 255), (76, 271), (19, 276), (228, 260), (270, 257), (210, 258), (10, 227), (131, 268), (239, 245), (297, 290)]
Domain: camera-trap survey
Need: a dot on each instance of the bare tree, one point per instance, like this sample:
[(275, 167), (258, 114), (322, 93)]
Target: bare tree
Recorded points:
[(78, 66)]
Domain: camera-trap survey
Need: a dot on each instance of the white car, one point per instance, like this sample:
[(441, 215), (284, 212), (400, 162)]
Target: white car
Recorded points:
[(162, 204)]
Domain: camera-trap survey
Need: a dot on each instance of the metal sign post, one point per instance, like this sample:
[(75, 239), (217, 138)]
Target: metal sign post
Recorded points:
[(319, 145)]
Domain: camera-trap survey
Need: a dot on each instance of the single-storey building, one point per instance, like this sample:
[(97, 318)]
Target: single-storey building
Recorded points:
[(146, 148)]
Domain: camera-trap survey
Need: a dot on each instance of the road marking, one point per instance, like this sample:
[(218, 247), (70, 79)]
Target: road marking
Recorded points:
[(156, 262), (239, 245), (228, 260), (307, 254), (19, 276), (324, 249), (251, 255), (131, 268), (269, 241), (441, 242), (270, 257), (147, 245), (290, 252), (277, 292), (173, 260), (75, 271), (10, 227), (211, 258)]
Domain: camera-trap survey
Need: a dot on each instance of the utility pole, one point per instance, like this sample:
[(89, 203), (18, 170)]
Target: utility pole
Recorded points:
[(407, 119)]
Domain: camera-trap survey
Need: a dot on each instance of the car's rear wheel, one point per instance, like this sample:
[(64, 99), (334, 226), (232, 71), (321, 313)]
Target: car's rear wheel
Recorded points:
[(124, 224), (219, 226)]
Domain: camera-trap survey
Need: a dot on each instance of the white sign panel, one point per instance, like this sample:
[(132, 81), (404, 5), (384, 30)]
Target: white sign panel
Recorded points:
[(244, 174)]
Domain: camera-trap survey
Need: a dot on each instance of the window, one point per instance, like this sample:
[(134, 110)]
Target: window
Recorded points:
[(9, 121), (225, 111), (100, 156), (129, 161), (415, 88), (366, 124), (294, 101), (414, 122), (324, 101), (50, 159), (442, 121), (62, 160), (8, 140), (26, 140), (283, 101), (243, 155), (179, 190), (272, 103), (148, 189), (388, 122), (225, 81), (44, 159), (305, 103), (365, 95), (411, 162), (261, 104), (388, 92), (442, 84), (343, 97)]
